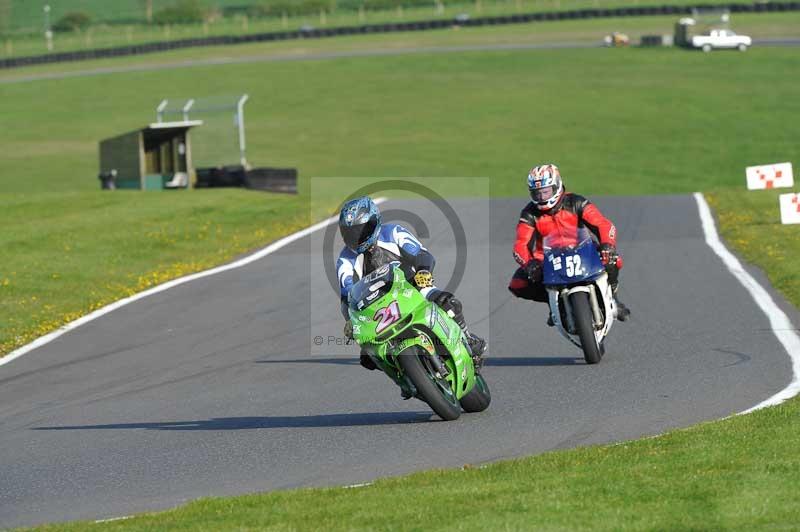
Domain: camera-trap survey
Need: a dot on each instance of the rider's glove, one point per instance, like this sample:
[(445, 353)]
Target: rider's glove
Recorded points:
[(608, 254), (443, 299), (348, 330), (423, 279), (534, 271), (448, 302)]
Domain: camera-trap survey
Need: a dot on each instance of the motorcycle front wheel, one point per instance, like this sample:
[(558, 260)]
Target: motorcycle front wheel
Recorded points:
[(478, 398), (434, 390), (582, 313)]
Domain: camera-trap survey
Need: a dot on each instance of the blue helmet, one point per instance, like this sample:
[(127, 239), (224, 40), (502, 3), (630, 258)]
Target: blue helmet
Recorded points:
[(360, 223)]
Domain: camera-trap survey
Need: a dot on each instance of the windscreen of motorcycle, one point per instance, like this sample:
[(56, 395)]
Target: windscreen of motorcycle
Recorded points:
[(371, 288), (571, 258)]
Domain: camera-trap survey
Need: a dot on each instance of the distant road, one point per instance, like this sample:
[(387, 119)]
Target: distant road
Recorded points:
[(266, 58), (777, 42)]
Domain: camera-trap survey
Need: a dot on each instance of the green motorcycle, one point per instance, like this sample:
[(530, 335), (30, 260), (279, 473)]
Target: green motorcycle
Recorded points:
[(416, 343)]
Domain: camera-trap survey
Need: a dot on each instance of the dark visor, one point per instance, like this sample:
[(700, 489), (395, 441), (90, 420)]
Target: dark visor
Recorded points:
[(356, 235)]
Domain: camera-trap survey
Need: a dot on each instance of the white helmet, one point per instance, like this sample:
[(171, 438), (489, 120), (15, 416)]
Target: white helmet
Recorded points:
[(545, 186)]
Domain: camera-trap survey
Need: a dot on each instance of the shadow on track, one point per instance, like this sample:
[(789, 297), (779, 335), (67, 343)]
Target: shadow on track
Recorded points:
[(267, 422), (531, 361), (489, 361), (341, 361)]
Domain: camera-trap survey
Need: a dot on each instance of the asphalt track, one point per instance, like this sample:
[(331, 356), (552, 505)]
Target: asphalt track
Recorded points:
[(215, 387), (377, 52)]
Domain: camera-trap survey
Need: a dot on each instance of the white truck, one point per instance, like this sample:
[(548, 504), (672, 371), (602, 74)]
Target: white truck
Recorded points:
[(721, 39)]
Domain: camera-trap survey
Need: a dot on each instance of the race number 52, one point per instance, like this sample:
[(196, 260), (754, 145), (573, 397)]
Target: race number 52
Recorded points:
[(574, 266)]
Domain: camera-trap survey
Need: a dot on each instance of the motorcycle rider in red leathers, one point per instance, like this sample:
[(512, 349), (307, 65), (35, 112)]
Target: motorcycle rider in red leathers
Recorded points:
[(552, 209)]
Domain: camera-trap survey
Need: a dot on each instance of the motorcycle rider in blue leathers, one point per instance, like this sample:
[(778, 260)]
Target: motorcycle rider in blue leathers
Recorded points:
[(369, 244)]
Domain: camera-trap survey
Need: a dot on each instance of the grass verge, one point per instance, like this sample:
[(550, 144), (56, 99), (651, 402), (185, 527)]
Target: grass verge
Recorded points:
[(71, 253), (751, 223)]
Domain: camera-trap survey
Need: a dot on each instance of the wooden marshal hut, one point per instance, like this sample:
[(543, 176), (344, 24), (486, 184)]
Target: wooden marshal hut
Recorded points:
[(155, 157)]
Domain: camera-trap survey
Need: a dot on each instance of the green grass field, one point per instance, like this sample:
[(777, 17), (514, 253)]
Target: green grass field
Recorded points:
[(763, 26), (28, 13), (622, 121), (122, 23), (617, 121)]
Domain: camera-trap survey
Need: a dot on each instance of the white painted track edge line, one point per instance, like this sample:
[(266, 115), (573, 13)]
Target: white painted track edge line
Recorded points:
[(354, 486), (244, 261), (781, 325), (112, 519)]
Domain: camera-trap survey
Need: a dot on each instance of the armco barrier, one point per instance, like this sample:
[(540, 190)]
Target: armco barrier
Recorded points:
[(422, 25)]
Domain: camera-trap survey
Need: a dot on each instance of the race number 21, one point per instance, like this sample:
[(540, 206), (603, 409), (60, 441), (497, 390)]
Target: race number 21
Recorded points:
[(386, 316)]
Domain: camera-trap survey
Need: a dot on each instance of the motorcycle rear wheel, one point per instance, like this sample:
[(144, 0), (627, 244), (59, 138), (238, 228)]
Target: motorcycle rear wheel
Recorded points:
[(435, 391), (582, 313)]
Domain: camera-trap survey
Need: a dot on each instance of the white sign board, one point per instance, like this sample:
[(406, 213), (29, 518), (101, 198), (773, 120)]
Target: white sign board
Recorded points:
[(790, 208), (769, 176)]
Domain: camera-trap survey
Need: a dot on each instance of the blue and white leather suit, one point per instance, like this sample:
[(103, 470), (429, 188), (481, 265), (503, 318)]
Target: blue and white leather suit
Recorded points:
[(394, 243)]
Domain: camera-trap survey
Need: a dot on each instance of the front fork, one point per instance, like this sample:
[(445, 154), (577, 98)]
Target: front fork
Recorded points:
[(383, 364), (422, 341), (597, 314), (560, 297)]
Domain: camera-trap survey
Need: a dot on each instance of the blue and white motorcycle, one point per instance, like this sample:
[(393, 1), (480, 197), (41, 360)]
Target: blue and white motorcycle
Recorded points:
[(582, 305)]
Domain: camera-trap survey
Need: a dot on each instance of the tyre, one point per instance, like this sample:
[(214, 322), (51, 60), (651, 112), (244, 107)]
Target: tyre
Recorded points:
[(706, 48), (433, 390), (742, 47), (478, 398), (582, 313)]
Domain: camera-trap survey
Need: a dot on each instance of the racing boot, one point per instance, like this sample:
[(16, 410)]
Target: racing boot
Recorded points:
[(478, 347), (407, 390), (405, 393), (623, 312), (453, 307)]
